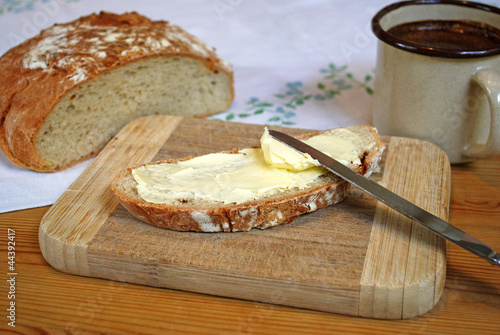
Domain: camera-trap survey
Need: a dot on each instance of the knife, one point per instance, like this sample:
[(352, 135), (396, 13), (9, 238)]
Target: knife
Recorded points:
[(403, 206)]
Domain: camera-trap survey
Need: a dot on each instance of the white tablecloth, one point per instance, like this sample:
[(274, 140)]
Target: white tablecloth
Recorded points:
[(307, 64)]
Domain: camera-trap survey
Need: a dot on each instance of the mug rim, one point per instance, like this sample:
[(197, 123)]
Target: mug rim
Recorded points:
[(390, 39)]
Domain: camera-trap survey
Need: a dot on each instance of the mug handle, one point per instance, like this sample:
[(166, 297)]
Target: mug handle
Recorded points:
[(489, 81)]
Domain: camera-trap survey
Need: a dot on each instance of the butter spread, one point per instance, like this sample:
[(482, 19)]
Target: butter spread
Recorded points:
[(221, 177), (249, 174)]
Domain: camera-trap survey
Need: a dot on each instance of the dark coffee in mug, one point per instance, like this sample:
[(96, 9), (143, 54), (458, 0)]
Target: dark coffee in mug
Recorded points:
[(451, 35)]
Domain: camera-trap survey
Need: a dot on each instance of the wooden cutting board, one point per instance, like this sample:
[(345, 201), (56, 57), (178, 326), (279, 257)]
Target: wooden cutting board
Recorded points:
[(357, 257)]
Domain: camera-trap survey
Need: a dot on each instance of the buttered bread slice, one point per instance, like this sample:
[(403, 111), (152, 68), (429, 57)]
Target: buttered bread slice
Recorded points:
[(241, 189)]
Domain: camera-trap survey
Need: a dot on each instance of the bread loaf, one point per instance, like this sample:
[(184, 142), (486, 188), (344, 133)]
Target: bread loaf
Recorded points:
[(67, 91), (206, 213)]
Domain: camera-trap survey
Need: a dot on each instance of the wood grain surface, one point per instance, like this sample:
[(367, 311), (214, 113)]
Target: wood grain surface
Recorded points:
[(52, 302), (357, 258)]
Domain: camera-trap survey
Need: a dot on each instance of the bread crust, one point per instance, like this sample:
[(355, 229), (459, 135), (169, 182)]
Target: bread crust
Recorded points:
[(262, 214), (36, 76)]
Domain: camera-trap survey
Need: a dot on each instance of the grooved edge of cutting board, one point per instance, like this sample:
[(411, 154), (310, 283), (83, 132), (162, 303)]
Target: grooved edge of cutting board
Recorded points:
[(358, 257)]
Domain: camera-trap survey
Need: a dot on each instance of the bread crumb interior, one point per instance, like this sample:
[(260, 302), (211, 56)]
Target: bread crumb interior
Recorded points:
[(84, 121)]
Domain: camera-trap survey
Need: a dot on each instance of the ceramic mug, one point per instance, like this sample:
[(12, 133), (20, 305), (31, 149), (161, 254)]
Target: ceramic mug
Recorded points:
[(449, 96)]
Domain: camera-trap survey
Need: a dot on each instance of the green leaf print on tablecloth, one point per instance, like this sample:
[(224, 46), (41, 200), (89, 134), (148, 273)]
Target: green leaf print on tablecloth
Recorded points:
[(282, 109)]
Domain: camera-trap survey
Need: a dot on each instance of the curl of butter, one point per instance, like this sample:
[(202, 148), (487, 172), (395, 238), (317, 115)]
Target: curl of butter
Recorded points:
[(280, 155), (341, 144)]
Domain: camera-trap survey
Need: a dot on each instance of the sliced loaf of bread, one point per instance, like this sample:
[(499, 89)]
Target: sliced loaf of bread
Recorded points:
[(204, 209), (66, 92)]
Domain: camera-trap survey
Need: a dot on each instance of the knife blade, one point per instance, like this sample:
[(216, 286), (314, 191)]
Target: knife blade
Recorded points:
[(396, 202)]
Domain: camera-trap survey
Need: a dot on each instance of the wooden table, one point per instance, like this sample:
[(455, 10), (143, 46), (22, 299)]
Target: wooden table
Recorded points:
[(51, 302)]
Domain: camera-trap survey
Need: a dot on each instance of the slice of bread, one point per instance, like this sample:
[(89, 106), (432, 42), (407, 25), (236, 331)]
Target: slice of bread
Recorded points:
[(66, 92), (202, 215)]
